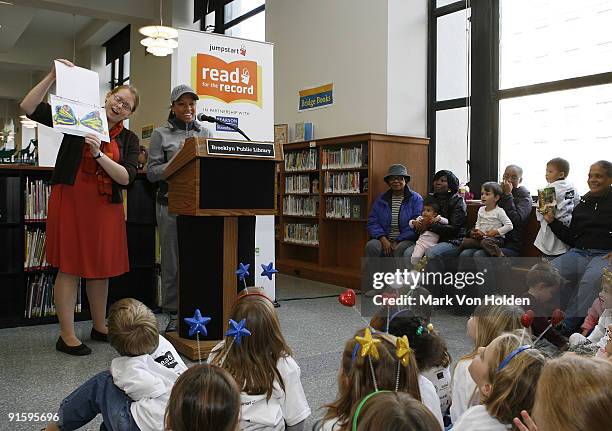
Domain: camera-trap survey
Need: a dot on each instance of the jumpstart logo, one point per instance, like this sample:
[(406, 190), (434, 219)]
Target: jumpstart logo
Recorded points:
[(237, 81)]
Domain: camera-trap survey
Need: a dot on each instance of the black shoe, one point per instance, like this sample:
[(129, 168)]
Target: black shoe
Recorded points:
[(80, 350), (98, 336)]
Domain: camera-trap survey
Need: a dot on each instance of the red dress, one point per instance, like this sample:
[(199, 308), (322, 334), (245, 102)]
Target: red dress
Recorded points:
[(85, 232)]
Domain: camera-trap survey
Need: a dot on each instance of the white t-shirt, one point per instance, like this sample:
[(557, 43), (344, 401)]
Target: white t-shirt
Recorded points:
[(288, 406), (441, 379), (464, 392), (148, 381), (477, 418), (494, 219), (429, 397)]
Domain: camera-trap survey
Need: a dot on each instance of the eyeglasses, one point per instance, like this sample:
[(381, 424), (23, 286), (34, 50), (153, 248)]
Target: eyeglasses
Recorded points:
[(122, 103), (395, 178)]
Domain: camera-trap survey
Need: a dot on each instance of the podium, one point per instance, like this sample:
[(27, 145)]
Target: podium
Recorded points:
[(217, 187)]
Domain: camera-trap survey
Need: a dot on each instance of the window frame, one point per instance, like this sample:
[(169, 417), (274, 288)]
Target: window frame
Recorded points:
[(220, 25)]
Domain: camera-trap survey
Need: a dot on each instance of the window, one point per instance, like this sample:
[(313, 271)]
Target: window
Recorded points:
[(118, 58), (238, 18), (449, 62), (536, 83)]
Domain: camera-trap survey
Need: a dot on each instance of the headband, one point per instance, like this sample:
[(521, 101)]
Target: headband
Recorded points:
[(252, 294), (360, 406), (512, 354)]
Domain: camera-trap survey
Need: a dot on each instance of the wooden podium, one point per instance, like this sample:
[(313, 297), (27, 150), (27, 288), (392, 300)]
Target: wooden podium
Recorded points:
[(217, 187)]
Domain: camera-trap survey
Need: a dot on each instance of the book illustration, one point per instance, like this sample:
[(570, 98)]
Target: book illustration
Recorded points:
[(64, 115), (93, 121), (547, 200)]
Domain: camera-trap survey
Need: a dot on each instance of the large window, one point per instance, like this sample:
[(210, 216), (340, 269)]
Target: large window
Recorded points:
[(238, 18), (118, 58), (539, 85)]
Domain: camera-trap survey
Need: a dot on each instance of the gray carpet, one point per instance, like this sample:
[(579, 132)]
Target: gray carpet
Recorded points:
[(35, 378)]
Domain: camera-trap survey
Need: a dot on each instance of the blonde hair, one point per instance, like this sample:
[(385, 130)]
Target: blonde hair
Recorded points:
[(513, 387), (261, 350), (129, 88), (132, 328), (356, 382), (493, 320), (574, 393), (401, 412)]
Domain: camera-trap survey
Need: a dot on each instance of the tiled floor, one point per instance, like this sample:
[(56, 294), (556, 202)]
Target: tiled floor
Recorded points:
[(35, 378)]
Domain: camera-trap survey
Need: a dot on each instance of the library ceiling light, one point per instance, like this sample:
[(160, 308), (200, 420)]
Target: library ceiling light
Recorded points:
[(159, 38)]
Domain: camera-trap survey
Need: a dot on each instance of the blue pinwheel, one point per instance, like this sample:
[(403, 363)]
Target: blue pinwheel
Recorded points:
[(243, 271), (197, 323), (268, 270), (237, 330)]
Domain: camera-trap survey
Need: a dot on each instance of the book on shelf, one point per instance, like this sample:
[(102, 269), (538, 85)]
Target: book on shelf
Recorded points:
[(36, 196), (34, 256), (342, 158), (342, 182), (302, 233), (342, 207), (304, 160), (39, 296), (301, 205), (297, 184), (547, 200)]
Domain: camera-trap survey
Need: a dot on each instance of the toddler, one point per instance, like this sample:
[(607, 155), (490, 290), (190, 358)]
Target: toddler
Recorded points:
[(566, 198), (491, 225), (427, 239)]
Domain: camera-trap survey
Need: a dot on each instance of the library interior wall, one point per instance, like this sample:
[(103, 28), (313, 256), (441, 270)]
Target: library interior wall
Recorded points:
[(376, 56), (319, 41)]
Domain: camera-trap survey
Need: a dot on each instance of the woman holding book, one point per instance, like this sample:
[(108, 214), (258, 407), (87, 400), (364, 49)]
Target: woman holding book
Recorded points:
[(86, 236), (589, 235)]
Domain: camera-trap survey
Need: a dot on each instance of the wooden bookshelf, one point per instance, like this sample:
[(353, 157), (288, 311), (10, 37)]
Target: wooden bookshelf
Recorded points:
[(337, 257), (139, 283)]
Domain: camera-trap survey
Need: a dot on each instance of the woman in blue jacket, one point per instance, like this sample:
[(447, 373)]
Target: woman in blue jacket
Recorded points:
[(388, 223)]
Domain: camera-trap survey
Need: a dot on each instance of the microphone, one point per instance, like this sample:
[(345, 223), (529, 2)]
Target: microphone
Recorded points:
[(203, 117)]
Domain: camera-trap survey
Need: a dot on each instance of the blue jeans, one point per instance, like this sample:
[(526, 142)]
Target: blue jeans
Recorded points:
[(485, 263), (98, 395), (582, 269)]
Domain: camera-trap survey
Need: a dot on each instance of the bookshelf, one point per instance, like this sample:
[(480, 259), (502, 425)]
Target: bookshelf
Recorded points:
[(326, 189), (25, 276)]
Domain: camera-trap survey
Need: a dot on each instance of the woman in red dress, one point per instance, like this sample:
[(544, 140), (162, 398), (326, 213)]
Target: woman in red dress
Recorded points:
[(86, 235)]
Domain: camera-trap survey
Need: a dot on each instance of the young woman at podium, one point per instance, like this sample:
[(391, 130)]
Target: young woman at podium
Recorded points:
[(165, 143), (85, 229)]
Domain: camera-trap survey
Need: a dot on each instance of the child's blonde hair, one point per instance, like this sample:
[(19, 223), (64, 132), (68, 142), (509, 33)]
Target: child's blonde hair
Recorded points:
[(574, 393), (513, 387), (401, 412), (355, 381), (493, 320), (132, 328), (261, 350)]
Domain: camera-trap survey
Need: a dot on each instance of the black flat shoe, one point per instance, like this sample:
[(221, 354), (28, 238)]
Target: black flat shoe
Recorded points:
[(98, 336), (80, 350)]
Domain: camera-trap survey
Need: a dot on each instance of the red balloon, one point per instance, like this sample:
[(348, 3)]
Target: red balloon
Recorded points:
[(557, 317), (348, 298), (527, 319)]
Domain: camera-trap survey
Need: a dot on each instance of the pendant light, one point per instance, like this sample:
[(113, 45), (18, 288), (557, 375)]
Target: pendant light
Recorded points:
[(160, 40)]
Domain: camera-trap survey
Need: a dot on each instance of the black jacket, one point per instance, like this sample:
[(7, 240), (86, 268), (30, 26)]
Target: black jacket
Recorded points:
[(454, 209), (71, 152), (518, 208), (591, 225)]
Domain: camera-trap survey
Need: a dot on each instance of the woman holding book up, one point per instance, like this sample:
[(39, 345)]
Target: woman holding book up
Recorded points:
[(86, 235)]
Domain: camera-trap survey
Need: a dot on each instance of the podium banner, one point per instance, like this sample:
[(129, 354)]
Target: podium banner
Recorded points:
[(234, 79)]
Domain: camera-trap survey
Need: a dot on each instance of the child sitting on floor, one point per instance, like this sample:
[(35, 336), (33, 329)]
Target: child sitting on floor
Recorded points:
[(492, 223), (133, 394), (204, 397), (360, 375), (487, 322), (599, 336), (544, 281), (505, 373), (256, 354)]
